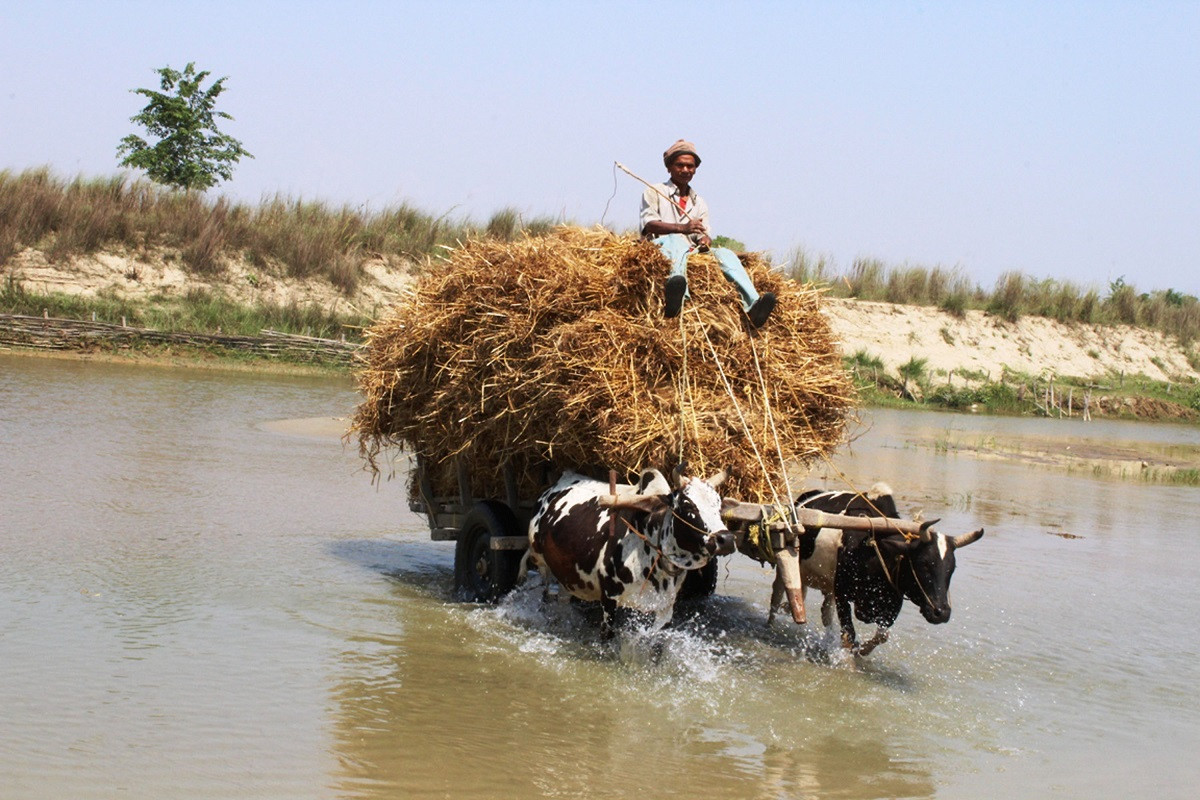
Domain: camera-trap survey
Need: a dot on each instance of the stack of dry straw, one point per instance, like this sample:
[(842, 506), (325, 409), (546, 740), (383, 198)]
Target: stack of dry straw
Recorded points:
[(554, 350)]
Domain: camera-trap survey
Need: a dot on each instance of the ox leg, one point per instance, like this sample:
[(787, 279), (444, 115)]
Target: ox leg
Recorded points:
[(881, 636), (846, 621), (608, 613), (664, 615), (777, 590), (787, 575), (827, 610)]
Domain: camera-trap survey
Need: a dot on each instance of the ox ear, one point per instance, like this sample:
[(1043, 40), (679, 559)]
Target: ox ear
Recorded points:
[(967, 538), (653, 482), (717, 478)]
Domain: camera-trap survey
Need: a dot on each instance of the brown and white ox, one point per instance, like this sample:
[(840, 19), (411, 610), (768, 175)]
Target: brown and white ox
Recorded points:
[(640, 561)]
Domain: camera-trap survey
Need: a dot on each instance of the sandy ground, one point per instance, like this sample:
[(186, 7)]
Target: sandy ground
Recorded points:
[(138, 275), (979, 342), (985, 343)]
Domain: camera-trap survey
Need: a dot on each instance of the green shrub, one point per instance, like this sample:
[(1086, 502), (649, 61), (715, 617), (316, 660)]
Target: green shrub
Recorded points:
[(954, 304), (1122, 302), (864, 360), (954, 397), (907, 286), (1008, 300), (803, 268), (735, 245), (915, 369)]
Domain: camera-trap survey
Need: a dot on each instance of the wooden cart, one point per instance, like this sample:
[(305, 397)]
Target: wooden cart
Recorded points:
[(491, 534)]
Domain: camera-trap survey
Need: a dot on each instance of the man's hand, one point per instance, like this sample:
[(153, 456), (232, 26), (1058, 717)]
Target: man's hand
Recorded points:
[(659, 228)]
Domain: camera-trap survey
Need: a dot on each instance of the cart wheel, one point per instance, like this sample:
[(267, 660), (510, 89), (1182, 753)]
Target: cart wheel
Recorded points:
[(699, 583), (481, 573)]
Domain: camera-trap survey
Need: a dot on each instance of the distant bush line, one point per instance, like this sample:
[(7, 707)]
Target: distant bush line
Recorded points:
[(305, 239), (301, 238), (1015, 295)]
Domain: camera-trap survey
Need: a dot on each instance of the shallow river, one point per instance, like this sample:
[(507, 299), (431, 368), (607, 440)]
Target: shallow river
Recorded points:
[(202, 598)]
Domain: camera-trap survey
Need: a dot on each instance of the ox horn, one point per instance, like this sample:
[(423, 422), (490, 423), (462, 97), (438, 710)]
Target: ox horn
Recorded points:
[(717, 478), (926, 533), (967, 538), (678, 479)]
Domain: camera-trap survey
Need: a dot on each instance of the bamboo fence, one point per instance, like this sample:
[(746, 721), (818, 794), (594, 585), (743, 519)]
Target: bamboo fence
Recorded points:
[(48, 333)]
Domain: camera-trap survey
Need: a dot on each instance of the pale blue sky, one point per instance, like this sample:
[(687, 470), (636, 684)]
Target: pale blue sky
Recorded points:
[(1058, 139)]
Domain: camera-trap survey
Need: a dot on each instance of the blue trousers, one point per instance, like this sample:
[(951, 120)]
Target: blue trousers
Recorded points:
[(676, 246)]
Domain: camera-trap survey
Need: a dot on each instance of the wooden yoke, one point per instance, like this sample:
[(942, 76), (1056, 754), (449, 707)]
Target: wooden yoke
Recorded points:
[(744, 514), (812, 518)]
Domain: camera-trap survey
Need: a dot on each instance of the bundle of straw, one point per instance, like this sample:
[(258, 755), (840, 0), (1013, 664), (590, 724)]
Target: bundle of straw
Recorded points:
[(552, 351)]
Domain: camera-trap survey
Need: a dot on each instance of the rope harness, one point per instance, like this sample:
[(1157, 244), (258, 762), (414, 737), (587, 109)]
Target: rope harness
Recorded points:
[(900, 559), (758, 537), (671, 568)]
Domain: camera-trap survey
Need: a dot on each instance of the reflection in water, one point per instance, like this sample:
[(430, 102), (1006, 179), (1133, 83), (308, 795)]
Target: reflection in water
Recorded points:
[(200, 600), (503, 703)]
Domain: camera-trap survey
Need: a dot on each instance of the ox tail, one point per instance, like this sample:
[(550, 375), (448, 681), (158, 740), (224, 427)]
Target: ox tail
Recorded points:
[(528, 560)]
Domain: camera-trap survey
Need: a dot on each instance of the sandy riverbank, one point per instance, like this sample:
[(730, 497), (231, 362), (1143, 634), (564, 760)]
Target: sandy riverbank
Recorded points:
[(984, 343), (977, 342)]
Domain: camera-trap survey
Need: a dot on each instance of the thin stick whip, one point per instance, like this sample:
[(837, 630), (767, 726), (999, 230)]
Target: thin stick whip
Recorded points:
[(650, 185)]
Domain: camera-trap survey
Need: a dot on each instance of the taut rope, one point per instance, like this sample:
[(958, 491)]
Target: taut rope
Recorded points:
[(738, 407)]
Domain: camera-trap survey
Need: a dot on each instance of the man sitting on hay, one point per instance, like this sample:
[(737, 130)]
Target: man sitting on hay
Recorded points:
[(675, 217)]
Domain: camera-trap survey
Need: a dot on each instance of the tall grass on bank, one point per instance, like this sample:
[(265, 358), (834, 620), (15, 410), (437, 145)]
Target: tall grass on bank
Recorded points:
[(308, 239), (1014, 296), (301, 238)]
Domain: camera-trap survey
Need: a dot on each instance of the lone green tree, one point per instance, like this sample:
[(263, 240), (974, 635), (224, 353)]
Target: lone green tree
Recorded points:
[(190, 153)]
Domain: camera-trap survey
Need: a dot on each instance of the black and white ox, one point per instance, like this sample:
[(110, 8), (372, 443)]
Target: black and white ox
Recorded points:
[(641, 560), (874, 572)]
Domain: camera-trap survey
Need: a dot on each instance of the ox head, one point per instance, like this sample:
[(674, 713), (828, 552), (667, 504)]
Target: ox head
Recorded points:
[(698, 532), (924, 566), (692, 531)]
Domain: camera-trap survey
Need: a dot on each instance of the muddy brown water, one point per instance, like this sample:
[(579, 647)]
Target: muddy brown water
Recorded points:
[(202, 596)]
